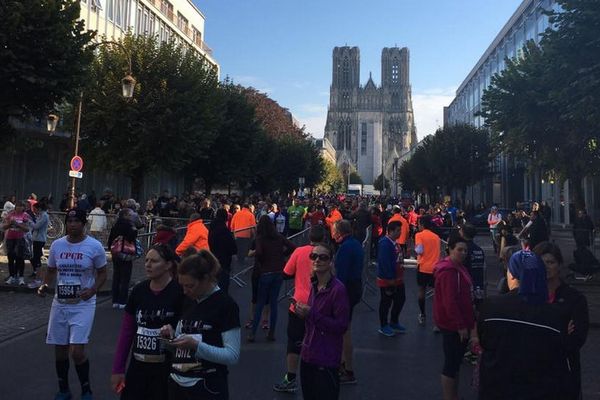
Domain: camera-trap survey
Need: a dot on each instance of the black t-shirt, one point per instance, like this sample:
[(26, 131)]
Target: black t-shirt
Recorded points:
[(151, 311), (211, 317)]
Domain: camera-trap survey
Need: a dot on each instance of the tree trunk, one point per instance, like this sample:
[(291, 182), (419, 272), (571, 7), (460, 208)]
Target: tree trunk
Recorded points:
[(576, 187), (137, 185)]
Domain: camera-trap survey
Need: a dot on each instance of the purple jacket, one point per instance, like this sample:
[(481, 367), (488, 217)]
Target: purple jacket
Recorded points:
[(326, 324)]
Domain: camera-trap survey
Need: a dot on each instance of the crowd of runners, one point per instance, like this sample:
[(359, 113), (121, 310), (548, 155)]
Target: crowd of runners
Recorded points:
[(181, 329)]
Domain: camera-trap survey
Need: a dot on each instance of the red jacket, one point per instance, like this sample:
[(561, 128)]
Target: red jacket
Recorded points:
[(452, 303)]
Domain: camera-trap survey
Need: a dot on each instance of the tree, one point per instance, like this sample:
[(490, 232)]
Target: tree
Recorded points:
[(333, 181), (381, 183), (43, 56), (544, 107), (170, 121), (355, 178)]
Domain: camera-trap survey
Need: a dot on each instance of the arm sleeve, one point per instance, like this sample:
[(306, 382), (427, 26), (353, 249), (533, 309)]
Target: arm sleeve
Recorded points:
[(342, 261), (40, 222), (229, 354), (338, 323), (290, 266), (124, 344)]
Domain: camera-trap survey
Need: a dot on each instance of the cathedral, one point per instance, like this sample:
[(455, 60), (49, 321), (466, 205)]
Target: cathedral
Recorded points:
[(370, 126)]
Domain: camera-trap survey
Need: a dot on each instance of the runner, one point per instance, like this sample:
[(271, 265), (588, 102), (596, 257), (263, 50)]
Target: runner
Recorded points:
[(207, 337), (73, 259), (427, 248), (153, 303), (390, 275), (298, 267)]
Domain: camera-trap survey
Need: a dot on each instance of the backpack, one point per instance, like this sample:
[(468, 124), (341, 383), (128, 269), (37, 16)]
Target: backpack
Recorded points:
[(125, 250)]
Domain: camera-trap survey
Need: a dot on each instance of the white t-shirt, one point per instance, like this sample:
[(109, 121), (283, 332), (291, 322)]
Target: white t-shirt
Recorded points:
[(98, 220), (76, 264)]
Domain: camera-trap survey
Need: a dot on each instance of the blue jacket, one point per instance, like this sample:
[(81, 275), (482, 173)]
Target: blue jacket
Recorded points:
[(349, 260), (40, 228), (387, 258)]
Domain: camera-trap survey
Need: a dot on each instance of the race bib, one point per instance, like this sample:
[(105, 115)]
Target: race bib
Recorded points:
[(68, 291), (147, 341)]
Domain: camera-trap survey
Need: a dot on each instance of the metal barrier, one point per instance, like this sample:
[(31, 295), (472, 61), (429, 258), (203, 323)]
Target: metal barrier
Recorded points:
[(237, 278)]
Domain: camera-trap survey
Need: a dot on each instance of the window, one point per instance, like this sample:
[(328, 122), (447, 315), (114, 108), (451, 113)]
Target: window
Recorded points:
[(167, 9), (110, 13), (395, 72), (182, 22), (197, 36), (346, 72), (118, 12), (363, 139)]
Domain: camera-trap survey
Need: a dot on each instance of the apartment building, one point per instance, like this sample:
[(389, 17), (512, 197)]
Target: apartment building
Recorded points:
[(178, 20)]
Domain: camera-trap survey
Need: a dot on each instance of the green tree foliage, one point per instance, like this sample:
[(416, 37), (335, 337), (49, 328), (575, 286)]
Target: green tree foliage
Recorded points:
[(381, 183), (454, 158), (43, 56), (355, 178), (545, 106), (333, 181), (171, 120)]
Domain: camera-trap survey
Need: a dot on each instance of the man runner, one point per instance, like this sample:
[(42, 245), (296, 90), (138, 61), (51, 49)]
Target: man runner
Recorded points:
[(78, 262), (427, 248)]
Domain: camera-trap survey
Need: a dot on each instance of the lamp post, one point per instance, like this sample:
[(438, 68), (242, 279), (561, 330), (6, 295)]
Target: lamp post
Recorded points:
[(128, 87)]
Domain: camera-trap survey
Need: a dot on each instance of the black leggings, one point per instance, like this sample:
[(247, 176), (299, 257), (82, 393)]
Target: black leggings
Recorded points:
[(36, 260), (16, 264), (319, 383), (213, 388), (146, 381), (121, 278), (391, 297)]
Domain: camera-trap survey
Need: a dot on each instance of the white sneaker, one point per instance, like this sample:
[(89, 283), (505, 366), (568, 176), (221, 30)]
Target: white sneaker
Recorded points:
[(115, 305), (21, 281), (122, 306), (11, 280), (34, 284)]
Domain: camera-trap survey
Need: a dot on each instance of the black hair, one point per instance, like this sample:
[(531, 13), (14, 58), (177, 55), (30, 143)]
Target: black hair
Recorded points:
[(469, 231), (393, 225), (454, 240), (549, 248), (266, 228), (316, 234)]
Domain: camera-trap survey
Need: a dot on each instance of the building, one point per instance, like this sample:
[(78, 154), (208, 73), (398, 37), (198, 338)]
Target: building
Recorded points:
[(326, 150), (511, 182), (178, 20), (369, 126)]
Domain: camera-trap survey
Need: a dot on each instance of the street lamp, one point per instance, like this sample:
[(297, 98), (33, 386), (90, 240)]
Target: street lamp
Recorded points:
[(128, 88)]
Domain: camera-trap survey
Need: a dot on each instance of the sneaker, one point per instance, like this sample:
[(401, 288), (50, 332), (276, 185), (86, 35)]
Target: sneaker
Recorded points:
[(11, 280), (436, 329), (63, 396), (122, 306), (286, 386), (398, 328), (21, 281), (421, 319), (115, 305), (387, 331), (347, 378), (34, 284), (87, 396)]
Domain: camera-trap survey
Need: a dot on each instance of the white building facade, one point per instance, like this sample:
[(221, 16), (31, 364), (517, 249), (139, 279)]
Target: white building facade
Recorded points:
[(178, 20)]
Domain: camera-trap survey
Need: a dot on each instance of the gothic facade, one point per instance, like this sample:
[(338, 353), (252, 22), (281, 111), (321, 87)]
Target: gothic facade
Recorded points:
[(370, 126)]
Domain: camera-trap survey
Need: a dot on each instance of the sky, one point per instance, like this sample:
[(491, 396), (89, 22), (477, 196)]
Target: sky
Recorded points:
[(284, 47)]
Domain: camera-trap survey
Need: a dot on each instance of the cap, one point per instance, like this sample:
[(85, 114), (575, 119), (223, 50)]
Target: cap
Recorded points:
[(76, 213)]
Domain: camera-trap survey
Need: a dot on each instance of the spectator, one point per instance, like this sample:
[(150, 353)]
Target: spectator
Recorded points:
[(16, 224), (196, 235), (39, 237), (98, 223), (583, 229), (121, 268), (222, 245)]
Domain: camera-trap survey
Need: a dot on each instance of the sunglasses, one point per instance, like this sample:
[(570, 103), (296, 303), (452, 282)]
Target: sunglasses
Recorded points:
[(320, 257)]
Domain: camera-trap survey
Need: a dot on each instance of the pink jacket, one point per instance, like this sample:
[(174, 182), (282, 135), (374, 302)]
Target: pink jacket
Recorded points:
[(453, 302)]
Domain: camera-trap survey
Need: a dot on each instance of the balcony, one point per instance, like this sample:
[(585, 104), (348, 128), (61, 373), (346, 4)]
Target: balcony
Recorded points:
[(171, 16)]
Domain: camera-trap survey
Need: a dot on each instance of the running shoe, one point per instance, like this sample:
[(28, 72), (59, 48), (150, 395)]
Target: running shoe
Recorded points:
[(63, 396), (421, 319), (286, 386), (21, 281), (347, 378), (115, 305), (122, 306), (398, 328), (387, 331), (34, 284), (11, 280)]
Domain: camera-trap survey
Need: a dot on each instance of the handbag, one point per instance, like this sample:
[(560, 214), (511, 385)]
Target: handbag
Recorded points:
[(125, 250)]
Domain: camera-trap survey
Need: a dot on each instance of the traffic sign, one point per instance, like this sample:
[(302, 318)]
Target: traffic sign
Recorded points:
[(76, 164), (76, 174)]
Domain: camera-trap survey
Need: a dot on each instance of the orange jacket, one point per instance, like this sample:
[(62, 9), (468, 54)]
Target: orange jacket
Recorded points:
[(196, 236), (404, 229), (241, 220), (334, 215)]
